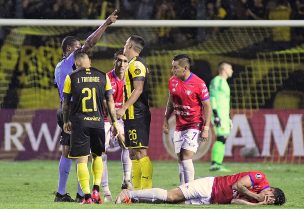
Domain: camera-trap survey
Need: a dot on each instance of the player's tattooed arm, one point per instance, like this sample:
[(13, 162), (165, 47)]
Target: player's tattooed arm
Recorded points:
[(111, 108), (138, 89), (242, 185), (105, 108), (168, 113), (112, 113), (169, 107), (207, 111)]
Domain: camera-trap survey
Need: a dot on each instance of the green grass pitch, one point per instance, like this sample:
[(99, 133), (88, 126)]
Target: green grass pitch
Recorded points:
[(31, 184)]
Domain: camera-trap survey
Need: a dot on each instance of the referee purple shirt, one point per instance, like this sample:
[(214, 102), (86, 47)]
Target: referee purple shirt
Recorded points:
[(63, 68)]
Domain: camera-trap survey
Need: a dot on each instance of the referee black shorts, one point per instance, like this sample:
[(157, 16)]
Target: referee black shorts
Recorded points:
[(85, 140), (64, 137), (137, 132)]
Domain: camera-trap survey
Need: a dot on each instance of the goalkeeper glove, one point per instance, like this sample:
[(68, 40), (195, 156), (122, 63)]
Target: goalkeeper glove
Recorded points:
[(217, 120)]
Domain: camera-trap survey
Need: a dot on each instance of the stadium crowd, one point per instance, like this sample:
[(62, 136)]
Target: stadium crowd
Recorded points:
[(161, 10), (151, 9)]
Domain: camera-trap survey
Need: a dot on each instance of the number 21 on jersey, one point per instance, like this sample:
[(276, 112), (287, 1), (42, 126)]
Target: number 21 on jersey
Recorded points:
[(90, 95)]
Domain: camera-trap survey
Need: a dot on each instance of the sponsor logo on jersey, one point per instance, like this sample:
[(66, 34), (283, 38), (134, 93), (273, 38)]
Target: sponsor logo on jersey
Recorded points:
[(188, 92)]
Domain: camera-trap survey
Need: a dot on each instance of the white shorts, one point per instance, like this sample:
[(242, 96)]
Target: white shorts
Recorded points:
[(111, 141), (198, 191), (187, 139)]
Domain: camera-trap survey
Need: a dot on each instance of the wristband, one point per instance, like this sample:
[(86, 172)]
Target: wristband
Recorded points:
[(205, 128)]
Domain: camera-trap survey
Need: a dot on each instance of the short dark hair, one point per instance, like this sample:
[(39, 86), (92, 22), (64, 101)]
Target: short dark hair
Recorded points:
[(279, 196), (117, 53), (79, 54), (68, 41), (139, 42), (220, 64), (184, 58)]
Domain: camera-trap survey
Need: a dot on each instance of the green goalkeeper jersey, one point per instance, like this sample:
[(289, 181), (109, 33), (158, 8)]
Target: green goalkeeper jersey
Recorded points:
[(220, 97)]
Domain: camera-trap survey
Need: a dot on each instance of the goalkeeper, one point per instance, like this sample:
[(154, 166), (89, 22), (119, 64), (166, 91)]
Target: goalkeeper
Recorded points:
[(220, 103)]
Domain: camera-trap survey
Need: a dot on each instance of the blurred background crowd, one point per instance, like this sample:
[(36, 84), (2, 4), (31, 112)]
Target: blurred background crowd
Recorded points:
[(161, 10), (153, 9)]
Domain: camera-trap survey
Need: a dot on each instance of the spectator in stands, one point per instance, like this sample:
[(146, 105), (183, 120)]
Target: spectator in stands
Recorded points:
[(145, 9), (221, 12), (211, 11), (6, 9), (214, 11), (30, 9), (282, 11), (256, 10), (299, 15), (241, 9), (127, 9), (299, 9), (66, 9), (165, 11), (186, 10)]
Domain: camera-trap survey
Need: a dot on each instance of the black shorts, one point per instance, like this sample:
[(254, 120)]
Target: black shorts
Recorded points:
[(137, 132), (85, 140), (64, 137)]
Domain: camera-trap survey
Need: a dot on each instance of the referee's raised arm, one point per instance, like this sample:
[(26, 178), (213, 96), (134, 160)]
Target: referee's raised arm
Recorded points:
[(96, 35)]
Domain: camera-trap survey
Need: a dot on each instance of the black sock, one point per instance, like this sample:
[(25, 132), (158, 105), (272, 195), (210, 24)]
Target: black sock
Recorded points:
[(87, 196), (96, 187), (59, 195), (78, 195)]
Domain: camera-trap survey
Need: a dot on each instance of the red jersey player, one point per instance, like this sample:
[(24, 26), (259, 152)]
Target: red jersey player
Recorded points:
[(189, 100), (249, 188), (117, 84), (116, 77)]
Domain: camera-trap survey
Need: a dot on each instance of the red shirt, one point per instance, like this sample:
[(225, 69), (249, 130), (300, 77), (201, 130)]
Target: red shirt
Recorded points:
[(118, 89), (187, 97), (222, 192)]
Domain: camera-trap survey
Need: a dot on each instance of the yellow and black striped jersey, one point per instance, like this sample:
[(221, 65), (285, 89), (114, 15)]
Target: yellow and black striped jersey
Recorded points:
[(88, 88), (137, 70)]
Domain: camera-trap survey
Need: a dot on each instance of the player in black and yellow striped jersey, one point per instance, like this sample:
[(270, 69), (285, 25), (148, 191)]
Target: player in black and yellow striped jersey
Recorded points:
[(87, 87), (136, 114)]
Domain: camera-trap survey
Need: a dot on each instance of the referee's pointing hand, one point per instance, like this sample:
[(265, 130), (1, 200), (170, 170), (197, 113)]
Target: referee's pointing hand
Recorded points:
[(112, 18)]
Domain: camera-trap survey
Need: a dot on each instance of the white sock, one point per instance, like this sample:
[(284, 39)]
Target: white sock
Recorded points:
[(181, 173), (188, 170), (104, 179), (154, 195), (126, 164)]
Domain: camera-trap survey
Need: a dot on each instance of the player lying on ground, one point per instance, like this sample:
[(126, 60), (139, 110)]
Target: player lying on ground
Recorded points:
[(248, 188)]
